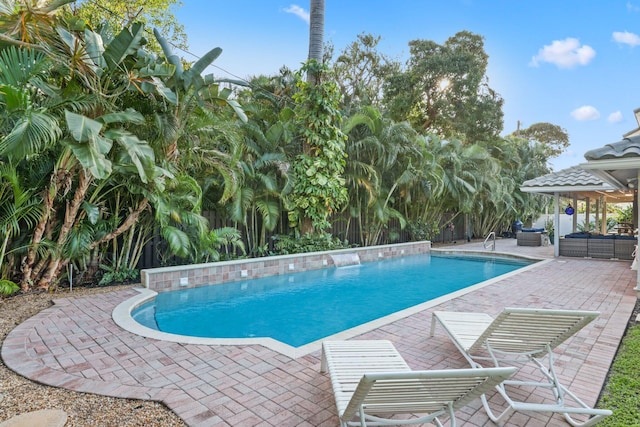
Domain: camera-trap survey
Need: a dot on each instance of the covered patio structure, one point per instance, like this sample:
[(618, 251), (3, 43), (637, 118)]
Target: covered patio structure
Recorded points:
[(577, 184), (610, 175), (618, 164)]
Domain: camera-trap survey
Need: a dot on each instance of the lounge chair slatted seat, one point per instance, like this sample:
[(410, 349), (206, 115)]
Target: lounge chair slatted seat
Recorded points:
[(521, 335), (370, 379)]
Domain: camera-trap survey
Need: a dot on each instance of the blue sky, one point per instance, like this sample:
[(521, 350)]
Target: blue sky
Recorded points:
[(573, 63)]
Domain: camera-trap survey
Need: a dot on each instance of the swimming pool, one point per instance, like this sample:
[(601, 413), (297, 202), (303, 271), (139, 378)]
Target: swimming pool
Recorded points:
[(301, 308)]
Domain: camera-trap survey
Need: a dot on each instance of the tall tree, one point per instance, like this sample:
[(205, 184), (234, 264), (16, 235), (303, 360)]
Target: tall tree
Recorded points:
[(360, 72), (316, 32), (444, 90), (301, 215), (319, 187), (122, 13), (384, 163), (554, 139)]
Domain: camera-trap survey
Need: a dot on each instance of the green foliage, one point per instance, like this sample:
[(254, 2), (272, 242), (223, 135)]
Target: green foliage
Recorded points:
[(102, 166), (549, 225), (94, 177), (316, 242), (621, 391), (7, 287), (593, 225), (220, 244), (360, 72), (120, 13), (553, 138), (118, 275), (625, 214), (423, 230), (319, 188), (386, 170), (444, 90)]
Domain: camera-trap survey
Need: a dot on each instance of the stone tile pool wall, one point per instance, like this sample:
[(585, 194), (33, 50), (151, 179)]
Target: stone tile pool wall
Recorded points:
[(179, 277)]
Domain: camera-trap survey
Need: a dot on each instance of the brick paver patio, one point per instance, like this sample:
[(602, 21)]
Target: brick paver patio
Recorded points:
[(76, 345)]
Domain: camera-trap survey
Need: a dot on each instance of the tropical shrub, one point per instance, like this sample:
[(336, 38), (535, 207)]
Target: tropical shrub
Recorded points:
[(423, 230), (94, 126), (296, 244), (7, 287), (319, 186)]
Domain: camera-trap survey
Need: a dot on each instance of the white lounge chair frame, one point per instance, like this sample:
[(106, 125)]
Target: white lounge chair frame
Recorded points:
[(520, 335), (370, 379)]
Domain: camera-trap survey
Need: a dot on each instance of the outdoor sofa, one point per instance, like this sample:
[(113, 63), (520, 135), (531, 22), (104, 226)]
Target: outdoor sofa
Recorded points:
[(532, 237), (593, 245)]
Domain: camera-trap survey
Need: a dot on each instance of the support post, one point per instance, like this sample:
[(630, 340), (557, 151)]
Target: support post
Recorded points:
[(575, 213), (556, 226), (637, 224), (587, 214)]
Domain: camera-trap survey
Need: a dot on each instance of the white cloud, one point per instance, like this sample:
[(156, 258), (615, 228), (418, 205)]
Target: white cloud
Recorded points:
[(626, 38), (632, 7), (565, 53), (615, 117), (585, 113), (299, 12)]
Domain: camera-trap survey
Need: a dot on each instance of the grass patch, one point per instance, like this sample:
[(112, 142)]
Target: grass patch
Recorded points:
[(622, 390)]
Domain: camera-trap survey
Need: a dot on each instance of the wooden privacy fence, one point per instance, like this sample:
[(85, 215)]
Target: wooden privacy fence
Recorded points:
[(392, 233)]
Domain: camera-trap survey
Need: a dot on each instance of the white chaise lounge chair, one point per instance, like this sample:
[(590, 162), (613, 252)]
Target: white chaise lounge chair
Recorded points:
[(521, 335), (371, 379)]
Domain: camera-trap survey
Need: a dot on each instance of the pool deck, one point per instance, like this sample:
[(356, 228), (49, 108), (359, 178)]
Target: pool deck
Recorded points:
[(76, 345)]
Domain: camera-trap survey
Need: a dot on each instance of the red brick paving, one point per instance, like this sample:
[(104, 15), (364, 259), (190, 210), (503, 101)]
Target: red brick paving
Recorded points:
[(76, 345)]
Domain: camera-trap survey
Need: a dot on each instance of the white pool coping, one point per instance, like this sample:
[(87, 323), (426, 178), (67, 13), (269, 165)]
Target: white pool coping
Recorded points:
[(122, 315)]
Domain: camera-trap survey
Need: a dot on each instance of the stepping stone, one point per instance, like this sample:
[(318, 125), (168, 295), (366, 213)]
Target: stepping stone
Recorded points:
[(41, 418)]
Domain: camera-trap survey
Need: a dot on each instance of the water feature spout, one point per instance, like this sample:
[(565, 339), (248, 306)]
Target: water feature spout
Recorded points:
[(345, 259)]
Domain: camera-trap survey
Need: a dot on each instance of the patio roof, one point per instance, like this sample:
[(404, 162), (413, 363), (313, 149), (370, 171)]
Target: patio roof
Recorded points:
[(578, 182), (617, 163)]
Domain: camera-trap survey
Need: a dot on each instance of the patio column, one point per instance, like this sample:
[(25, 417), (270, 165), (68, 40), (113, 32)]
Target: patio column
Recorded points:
[(556, 222), (637, 224), (587, 214), (575, 213)]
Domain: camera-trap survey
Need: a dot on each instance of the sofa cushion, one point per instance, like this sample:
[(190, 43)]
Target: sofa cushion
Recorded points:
[(626, 237), (578, 235), (603, 236)]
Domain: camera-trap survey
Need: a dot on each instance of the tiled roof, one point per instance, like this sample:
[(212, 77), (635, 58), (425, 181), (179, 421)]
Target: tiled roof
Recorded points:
[(571, 177), (628, 147)]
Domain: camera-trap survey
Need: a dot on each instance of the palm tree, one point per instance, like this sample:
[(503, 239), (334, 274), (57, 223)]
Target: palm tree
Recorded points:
[(258, 203), (19, 212), (67, 105), (316, 31), (384, 164), (316, 40), (462, 170)]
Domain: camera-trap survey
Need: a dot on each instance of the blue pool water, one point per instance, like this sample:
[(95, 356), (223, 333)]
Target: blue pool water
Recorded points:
[(300, 308)]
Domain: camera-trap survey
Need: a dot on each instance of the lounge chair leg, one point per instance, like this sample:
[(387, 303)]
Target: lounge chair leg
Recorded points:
[(590, 422), (363, 419), (433, 325), (495, 418), (452, 417)]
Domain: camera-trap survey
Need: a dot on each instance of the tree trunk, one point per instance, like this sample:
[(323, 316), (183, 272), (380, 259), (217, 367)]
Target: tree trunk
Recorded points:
[(70, 217), (128, 223), (316, 41), (316, 31), (29, 259)]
